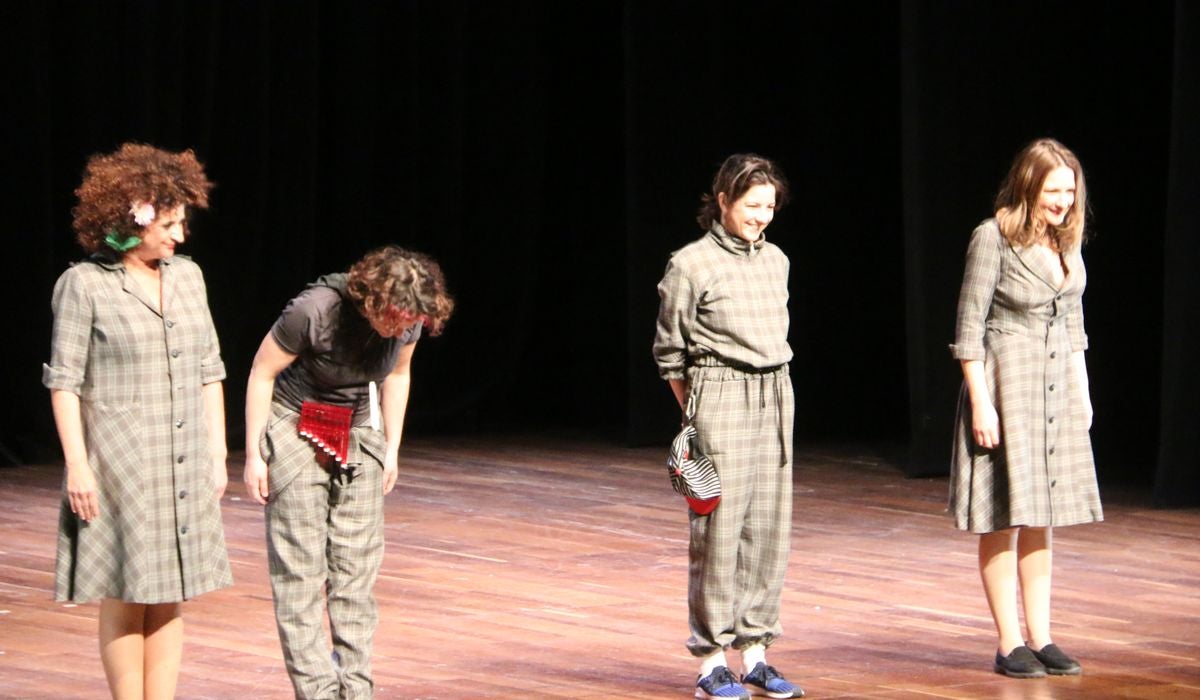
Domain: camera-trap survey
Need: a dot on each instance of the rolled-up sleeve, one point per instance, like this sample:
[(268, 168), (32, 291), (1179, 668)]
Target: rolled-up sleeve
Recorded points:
[(676, 315), (1075, 332), (72, 333), (981, 274), (212, 367)]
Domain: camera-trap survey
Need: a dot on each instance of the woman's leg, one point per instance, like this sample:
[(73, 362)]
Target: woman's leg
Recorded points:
[(163, 650), (355, 555), (122, 647), (297, 538), (766, 534), (998, 569), (1034, 557), (714, 539)]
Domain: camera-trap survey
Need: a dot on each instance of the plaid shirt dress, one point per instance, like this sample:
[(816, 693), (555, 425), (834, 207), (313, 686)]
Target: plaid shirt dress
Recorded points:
[(138, 374), (1024, 328)]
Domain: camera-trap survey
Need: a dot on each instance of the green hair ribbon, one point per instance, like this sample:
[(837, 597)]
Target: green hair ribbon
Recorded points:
[(113, 240)]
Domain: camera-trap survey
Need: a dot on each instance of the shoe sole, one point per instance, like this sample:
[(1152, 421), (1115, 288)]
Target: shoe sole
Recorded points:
[(778, 696), (1017, 674), (1061, 672), (701, 695)]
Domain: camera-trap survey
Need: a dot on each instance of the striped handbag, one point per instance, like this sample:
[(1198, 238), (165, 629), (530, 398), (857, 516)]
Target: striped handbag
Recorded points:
[(693, 475)]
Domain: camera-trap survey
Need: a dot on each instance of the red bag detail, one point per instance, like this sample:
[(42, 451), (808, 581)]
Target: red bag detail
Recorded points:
[(328, 427)]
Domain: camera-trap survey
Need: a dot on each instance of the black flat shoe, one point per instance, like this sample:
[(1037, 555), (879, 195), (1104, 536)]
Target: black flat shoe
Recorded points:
[(1021, 662), (1056, 662)]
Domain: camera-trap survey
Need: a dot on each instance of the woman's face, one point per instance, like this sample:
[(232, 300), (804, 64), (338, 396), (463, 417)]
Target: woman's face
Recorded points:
[(748, 216), (1058, 195), (160, 236), (394, 322)]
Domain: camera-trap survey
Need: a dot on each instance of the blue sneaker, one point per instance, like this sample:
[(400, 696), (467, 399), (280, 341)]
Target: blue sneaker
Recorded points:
[(765, 680), (721, 683)]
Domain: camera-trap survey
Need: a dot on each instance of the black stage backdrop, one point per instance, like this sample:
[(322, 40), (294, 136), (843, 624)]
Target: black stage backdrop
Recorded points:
[(551, 156)]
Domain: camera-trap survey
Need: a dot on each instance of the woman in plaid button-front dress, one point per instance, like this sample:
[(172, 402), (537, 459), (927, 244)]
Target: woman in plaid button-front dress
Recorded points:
[(722, 344), (1022, 460), (135, 383)]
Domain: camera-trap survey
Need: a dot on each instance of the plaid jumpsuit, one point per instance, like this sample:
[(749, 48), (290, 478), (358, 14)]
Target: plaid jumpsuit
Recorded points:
[(722, 326)]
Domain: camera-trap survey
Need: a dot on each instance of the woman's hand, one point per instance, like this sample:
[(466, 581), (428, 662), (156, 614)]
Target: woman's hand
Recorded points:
[(391, 472), (82, 491), (1079, 368), (254, 476), (220, 476), (985, 422), (985, 425)]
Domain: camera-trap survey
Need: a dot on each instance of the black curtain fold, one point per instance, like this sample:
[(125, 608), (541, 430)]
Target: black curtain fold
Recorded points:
[(551, 156), (1177, 477), (819, 101), (978, 83)]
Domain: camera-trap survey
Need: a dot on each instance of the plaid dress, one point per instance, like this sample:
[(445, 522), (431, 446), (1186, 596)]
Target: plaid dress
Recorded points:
[(723, 324), (138, 374), (1024, 329)]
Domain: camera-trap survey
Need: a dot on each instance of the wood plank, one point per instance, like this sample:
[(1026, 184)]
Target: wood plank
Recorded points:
[(545, 569)]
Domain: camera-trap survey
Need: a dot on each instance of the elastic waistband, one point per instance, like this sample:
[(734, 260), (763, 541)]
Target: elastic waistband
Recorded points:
[(714, 363)]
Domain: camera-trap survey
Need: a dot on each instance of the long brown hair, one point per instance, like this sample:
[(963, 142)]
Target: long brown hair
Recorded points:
[(737, 174), (1017, 201)]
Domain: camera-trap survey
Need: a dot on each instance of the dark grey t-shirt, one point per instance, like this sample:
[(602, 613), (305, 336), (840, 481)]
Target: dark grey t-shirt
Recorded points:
[(338, 352)]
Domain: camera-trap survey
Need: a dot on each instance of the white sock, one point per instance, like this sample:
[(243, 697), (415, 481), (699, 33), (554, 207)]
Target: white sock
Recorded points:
[(752, 655), (708, 663)]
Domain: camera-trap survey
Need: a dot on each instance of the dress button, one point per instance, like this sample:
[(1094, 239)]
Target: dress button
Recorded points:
[(1053, 483), (1053, 355), (179, 459), (170, 324), (1051, 450), (1052, 324), (1051, 420), (179, 423), (175, 353), (1051, 387), (182, 494), (183, 530)]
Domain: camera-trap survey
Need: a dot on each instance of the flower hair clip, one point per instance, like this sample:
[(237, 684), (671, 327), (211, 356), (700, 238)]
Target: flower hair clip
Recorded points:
[(143, 213)]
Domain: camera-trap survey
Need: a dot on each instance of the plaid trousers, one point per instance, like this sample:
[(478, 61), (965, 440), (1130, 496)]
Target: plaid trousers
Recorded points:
[(324, 545), (738, 554)]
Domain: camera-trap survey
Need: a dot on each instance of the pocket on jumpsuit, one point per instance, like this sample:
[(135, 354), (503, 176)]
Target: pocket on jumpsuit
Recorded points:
[(283, 450), (373, 444)]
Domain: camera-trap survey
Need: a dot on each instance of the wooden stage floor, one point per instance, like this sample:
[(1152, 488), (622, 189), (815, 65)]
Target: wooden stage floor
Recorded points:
[(543, 569)]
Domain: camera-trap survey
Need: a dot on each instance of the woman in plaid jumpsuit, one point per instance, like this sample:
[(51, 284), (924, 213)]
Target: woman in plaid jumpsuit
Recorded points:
[(722, 344), (324, 517)]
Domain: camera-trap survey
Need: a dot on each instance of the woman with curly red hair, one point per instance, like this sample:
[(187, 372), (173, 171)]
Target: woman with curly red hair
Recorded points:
[(322, 450), (135, 377)]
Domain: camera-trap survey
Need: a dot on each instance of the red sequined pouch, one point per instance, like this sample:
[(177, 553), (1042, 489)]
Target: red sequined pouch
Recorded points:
[(328, 427)]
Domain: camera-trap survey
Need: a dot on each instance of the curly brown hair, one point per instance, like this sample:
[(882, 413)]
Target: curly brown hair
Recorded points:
[(135, 172), (737, 175), (391, 278)]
